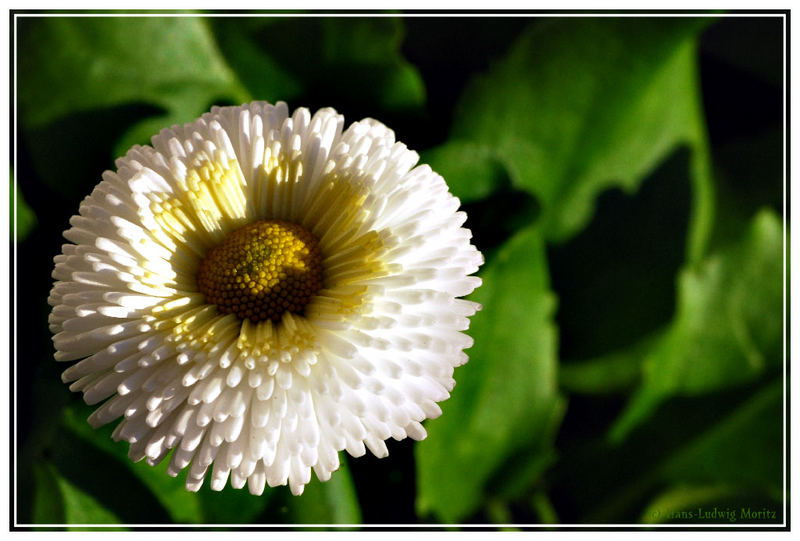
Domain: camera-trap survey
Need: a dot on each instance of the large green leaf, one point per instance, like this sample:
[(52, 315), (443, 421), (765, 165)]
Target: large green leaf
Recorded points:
[(581, 105), (120, 80), (71, 65), (95, 62), (505, 405), (728, 327)]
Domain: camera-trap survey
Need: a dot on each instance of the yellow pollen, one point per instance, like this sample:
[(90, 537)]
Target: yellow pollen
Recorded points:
[(262, 270)]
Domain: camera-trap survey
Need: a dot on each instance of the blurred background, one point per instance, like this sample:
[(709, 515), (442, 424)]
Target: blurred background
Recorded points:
[(623, 178)]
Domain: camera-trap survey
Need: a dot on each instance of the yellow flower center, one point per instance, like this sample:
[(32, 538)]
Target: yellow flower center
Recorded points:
[(262, 270)]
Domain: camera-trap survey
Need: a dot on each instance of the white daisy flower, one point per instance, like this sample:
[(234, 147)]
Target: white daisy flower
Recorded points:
[(257, 291)]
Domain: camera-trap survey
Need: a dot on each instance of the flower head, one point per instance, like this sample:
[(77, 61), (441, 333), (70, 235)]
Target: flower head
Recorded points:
[(257, 291)]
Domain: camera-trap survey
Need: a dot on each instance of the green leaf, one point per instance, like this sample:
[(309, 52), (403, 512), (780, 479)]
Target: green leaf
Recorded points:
[(48, 504), (472, 171), (182, 506), (543, 508), (581, 105), (25, 217), (81, 508), (76, 64), (78, 507), (347, 62), (506, 402), (239, 40), (728, 327)]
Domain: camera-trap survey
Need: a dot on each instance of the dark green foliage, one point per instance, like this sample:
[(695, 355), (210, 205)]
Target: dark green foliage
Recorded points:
[(623, 178)]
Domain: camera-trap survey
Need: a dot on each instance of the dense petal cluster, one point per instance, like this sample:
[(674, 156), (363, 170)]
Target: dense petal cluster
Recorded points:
[(264, 400)]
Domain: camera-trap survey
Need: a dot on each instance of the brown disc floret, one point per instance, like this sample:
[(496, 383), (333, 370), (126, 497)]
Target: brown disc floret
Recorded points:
[(262, 270)]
